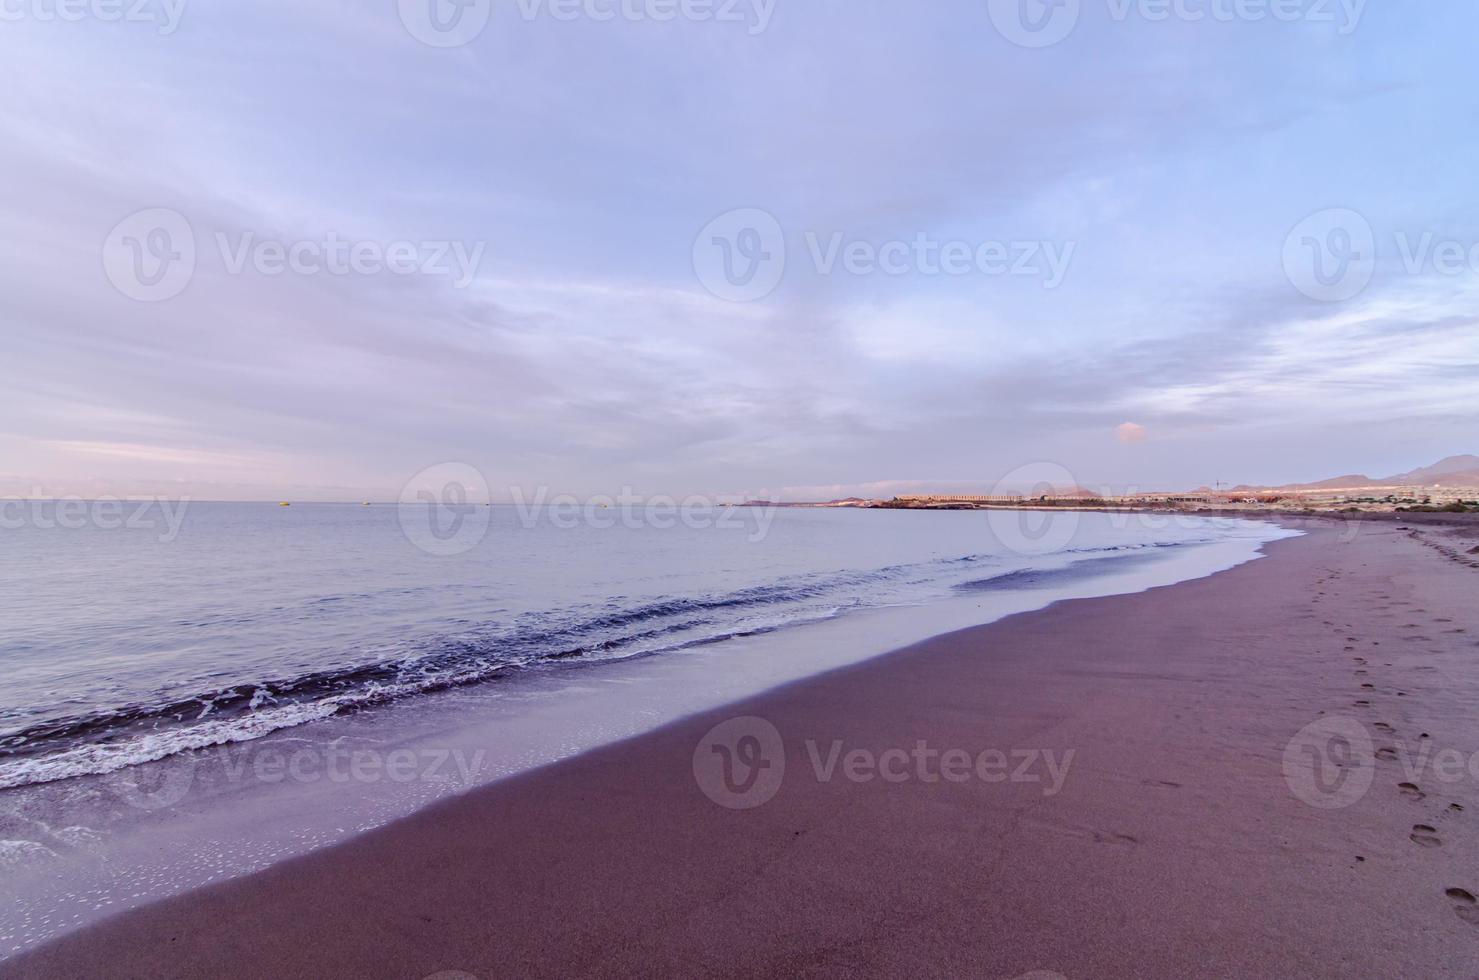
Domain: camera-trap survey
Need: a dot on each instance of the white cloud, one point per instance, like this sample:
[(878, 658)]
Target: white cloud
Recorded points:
[(587, 356)]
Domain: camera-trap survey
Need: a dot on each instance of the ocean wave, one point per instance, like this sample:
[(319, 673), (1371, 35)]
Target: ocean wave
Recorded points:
[(100, 758), (1031, 578), (104, 741)]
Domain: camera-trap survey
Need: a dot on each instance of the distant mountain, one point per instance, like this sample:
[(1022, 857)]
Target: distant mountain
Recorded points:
[(1454, 471), (1466, 466), (1349, 480)]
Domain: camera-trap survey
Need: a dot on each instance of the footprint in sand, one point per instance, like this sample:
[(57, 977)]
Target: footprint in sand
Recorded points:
[(1387, 754), (1425, 836), (1411, 791), (1383, 727), (1368, 687), (1465, 906), (1363, 704)]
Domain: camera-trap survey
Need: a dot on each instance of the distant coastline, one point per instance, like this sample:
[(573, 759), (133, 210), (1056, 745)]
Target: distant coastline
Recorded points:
[(1449, 486), (1460, 502)]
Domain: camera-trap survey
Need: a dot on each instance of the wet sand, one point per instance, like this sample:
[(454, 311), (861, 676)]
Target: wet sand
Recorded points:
[(1140, 819)]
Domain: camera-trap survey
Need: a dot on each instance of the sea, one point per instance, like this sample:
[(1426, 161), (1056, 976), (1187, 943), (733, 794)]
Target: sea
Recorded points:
[(193, 691)]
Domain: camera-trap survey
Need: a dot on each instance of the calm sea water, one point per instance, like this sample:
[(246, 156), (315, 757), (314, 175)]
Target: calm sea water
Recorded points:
[(121, 645)]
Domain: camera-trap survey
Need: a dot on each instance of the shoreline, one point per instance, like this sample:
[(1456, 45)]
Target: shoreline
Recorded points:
[(198, 818), (1170, 823), (50, 750)]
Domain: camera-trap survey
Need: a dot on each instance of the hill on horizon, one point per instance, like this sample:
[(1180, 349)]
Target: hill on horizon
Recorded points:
[(1451, 470)]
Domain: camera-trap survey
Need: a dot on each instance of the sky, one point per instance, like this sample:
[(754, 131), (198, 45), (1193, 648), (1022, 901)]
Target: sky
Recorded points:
[(777, 248)]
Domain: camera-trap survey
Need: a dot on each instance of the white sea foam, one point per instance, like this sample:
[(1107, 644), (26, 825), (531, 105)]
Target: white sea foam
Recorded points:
[(14, 853), (97, 760)]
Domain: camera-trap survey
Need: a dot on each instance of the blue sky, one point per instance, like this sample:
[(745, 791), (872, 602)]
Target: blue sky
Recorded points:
[(579, 158)]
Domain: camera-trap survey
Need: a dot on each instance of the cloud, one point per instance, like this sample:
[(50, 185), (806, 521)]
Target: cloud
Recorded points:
[(1129, 432), (588, 357)]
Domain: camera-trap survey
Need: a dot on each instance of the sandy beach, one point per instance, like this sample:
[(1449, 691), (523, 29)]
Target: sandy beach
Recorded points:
[(1109, 787)]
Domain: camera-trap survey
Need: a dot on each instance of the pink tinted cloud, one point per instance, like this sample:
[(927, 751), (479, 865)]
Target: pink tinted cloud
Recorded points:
[(1130, 432)]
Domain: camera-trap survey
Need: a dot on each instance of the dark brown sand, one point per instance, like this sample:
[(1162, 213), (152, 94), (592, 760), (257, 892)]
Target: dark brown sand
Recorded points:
[(1176, 847)]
